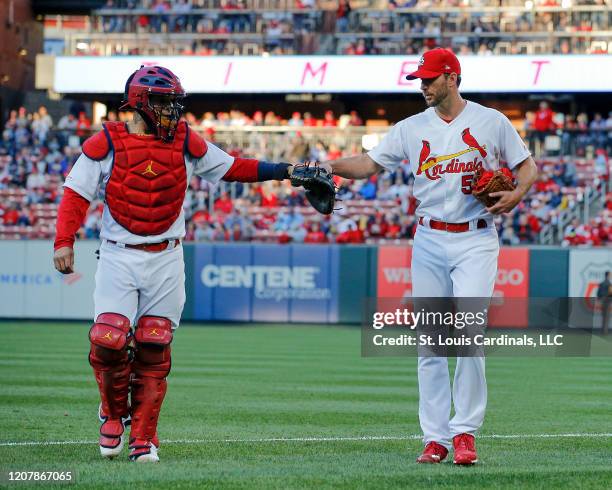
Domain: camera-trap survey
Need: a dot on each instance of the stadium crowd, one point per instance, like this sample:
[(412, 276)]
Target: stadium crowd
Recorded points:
[(357, 27), (36, 155)]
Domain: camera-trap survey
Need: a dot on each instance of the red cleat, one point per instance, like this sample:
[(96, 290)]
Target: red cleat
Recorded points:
[(433, 453), (465, 449)]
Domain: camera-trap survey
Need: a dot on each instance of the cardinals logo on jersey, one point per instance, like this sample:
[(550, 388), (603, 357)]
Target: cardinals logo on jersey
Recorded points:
[(432, 167)]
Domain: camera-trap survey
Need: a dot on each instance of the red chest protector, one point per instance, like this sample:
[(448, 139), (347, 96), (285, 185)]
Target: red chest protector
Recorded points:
[(148, 179)]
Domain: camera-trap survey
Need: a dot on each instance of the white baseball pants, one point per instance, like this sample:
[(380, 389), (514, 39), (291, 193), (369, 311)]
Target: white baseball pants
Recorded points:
[(453, 265), (135, 283)]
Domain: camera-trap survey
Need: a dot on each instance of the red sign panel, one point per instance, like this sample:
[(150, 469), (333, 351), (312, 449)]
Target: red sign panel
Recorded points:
[(394, 274), (512, 281)]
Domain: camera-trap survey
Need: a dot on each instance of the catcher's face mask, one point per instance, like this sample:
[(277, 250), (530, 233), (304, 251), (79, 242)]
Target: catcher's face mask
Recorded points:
[(157, 94), (167, 111)]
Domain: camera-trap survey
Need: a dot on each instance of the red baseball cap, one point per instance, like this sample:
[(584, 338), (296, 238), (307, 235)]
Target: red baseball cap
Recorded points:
[(436, 62)]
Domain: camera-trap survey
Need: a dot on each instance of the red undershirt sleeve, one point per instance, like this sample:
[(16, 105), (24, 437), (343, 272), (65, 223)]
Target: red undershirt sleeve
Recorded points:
[(70, 216), (251, 170), (242, 170)]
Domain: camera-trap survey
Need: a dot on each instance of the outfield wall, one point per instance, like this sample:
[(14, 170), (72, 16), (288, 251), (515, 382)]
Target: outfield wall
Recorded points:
[(284, 283)]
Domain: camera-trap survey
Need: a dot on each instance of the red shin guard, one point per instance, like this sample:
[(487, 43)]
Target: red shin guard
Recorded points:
[(151, 366), (109, 357)]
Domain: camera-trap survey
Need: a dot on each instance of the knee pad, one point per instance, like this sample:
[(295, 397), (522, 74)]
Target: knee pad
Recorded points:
[(152, 355), (109, 337)]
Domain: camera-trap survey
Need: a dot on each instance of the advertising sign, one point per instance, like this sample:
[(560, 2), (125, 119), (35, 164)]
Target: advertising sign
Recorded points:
[(13, 279), (30, 287), (394, 274), (587, 269), (512, 273), (512, 280), (266, 283), (76, 290)]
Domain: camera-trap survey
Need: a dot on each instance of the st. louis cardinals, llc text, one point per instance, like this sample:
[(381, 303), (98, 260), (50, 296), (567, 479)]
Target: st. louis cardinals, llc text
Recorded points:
[(427, 340)]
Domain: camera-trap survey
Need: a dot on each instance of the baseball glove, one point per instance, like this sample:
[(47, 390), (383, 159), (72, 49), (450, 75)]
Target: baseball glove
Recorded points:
[(486, 181), (319, 185)]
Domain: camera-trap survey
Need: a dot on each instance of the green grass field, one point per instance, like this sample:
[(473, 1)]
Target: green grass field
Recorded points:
[(248, 397)]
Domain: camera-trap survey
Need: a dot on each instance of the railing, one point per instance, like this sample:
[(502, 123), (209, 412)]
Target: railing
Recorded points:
[(553, 233), (258, 44), (447, 25), (561, 142), (278, 137), (273, 141), (262, 6), (594, 199), (492, 5), (589, 202)]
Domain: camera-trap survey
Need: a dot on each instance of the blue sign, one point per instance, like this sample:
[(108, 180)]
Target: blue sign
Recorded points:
[(266, 283)]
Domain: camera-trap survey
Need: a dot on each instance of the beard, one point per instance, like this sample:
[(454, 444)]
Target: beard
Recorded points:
[(437, 98)]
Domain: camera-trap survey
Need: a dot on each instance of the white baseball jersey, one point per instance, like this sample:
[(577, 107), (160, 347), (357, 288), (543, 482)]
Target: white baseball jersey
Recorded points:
[(444, 156), (87, 175)]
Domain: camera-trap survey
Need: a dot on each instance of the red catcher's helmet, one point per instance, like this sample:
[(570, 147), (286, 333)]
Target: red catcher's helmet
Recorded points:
[(161, 114)]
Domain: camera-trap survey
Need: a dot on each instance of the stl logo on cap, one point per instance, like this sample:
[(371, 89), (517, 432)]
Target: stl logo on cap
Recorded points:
[(422, 60)]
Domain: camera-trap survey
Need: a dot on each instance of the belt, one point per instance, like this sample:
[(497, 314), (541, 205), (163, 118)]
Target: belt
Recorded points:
[(150, 247), (453, 227)]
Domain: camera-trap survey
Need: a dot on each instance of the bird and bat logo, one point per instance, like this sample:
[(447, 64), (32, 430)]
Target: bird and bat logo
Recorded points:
[(432, 165)]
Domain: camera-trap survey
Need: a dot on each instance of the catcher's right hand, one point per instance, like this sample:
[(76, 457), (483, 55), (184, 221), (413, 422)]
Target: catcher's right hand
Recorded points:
[(319, 185), (63, 259)]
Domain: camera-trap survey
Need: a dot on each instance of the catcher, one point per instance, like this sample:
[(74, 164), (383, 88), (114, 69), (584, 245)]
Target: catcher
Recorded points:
[(142, 169)]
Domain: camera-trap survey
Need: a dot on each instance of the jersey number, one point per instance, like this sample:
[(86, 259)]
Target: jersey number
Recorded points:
[(466, 183)]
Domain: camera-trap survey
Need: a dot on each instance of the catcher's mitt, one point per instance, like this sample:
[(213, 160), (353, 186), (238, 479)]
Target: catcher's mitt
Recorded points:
[(486, 181), (319, 185)]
